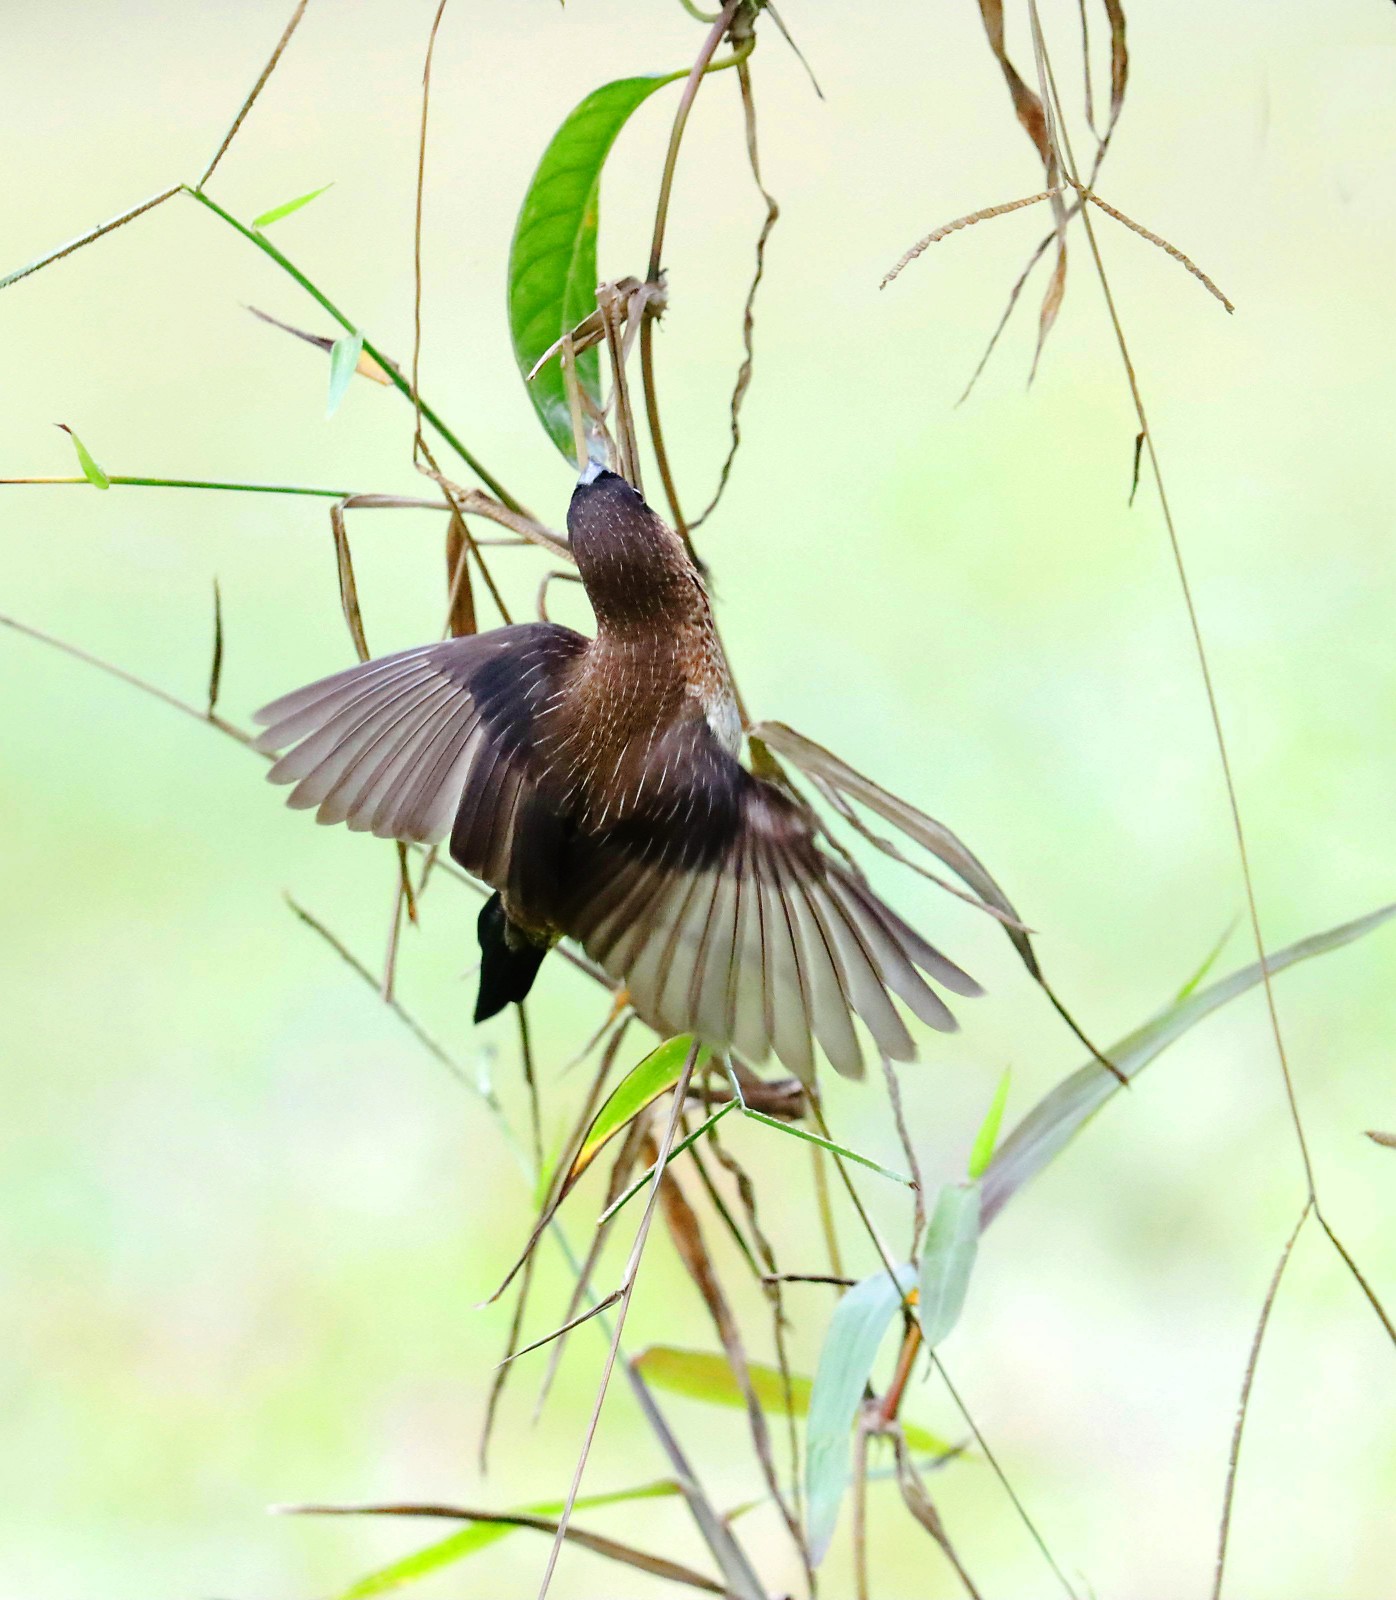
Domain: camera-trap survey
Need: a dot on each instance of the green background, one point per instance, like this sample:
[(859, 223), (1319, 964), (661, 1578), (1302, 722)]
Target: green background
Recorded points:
[(245, 1222)]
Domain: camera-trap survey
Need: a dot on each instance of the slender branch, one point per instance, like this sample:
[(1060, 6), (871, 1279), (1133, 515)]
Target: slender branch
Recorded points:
[(256, 89), (1230, 1493), (627, 1292), (653, 275), (1002, 1476), (401, 384), (352, 497), (98, 232)]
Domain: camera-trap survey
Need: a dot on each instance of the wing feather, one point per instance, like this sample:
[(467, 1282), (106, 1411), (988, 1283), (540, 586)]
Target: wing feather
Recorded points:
[(725, 919), (400, 745)]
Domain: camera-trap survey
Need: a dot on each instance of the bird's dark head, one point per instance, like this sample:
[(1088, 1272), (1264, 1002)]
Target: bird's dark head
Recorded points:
[(634, 566)]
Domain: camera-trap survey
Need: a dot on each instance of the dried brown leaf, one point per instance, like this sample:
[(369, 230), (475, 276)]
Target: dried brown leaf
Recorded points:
[(598, 1544), (687, 1235), (1025, 103), (460, 616), (1387, 1139), (348, 589)]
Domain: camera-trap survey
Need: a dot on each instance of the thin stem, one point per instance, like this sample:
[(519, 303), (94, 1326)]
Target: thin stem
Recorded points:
[(199, 714), (1230, 1493), (1007, 1487), (661, 218), (627, 1292), (98, 232), (242, 488), (256, 89), (397, 380)]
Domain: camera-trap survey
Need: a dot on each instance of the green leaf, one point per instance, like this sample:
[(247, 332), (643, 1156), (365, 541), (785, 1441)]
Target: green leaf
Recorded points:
[(90, 470), (982, 1152), (552, 260), (855, 1334), (1208, 961), (947, 1260), (660, 1070), (344, 359), (706, 1375), (456, 1546), (1060, 1115), (287, 207)]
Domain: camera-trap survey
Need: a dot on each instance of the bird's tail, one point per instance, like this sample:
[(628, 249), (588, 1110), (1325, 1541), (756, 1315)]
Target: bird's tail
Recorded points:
[(509, 960)]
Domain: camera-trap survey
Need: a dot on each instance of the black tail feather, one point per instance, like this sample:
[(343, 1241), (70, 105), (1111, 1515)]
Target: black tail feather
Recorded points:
[(509, 960)]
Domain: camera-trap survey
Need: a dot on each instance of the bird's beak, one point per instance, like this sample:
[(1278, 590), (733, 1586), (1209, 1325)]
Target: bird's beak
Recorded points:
[(591, 472)]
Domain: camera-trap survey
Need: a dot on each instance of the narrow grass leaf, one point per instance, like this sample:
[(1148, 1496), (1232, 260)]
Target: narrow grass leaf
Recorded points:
[(552, 259), (982, 1151), (479, 1536), (1208, 961), (90, 470), (288, 206), (1378, 1137), (344, 361), (1060, 1115), (947, 1260), (856, 1331), (706, 1375), (640, 1087), (824, 1144)]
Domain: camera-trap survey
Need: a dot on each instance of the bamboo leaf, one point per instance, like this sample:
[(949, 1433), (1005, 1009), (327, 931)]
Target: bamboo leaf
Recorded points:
[(705, 1375), (660, 1070), (855, 1334), (1060, 1115), (90, 470), (344, 361), (478, 1536), (552, 260), (947, 1260), (982, 1152), (288, 206)]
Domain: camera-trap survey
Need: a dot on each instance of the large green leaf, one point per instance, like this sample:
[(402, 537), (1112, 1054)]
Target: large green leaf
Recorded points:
[(478, 1536), (1060, 1115), (552, 260), (707, 1375), (947, 1260), (855, 1335)]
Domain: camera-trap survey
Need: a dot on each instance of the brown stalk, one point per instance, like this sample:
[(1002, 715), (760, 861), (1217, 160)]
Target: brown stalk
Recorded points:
[(743, 382), (1219, 735), (500, 1375), (687, 1236), (612, 1549), (918, 1502), (653, 274), (255, 90), (621, 1170), (1229, 1494)]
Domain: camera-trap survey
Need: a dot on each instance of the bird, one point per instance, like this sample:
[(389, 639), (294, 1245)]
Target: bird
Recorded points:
[(595, 786)]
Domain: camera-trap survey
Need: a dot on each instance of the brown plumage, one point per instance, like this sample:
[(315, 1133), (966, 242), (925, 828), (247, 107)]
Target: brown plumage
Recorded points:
[(594, 784)]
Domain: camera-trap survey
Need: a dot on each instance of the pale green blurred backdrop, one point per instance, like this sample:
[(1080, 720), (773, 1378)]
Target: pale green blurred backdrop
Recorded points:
[(246, 1222)]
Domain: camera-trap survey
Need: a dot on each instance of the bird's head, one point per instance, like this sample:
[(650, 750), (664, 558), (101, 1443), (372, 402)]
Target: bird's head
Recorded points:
[(634, 566)]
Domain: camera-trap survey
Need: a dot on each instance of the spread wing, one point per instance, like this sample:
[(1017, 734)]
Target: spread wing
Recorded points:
[(409, 746), (724, 918)]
